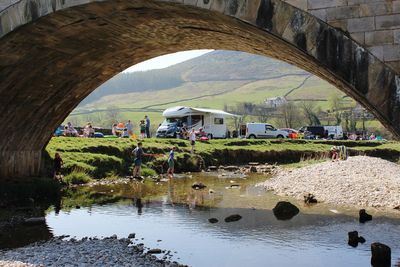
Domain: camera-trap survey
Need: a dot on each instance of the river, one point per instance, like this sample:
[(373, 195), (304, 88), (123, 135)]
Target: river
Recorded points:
[(172, 216)]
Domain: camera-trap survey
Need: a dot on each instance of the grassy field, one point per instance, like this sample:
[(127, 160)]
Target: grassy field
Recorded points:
[(100, 158)]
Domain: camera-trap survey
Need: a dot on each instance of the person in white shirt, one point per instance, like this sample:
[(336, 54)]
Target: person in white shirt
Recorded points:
[(192, 138)]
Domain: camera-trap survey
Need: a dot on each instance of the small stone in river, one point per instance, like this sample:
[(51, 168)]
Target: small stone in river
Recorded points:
[(310, 199), (253, 169), (154, 251), (285, 210), (364, 216), (213, 220), (381, 255), (132, 235), (198, 186), (233, 218), (77, 207)]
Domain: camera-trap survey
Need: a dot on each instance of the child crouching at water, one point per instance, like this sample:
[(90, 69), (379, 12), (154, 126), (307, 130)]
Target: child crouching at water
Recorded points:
[(171, 163), (58, 163)]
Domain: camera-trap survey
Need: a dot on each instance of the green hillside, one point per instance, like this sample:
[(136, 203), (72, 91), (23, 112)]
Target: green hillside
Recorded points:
[(215, 80)]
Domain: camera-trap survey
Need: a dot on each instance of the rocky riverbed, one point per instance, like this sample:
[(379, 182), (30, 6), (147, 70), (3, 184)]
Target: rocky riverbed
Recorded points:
[(361, 181), (86, 252)]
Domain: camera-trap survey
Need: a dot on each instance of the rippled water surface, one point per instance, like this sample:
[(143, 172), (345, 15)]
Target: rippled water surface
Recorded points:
[(172, 216)]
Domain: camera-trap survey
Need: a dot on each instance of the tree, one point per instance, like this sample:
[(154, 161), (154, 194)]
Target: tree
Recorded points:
[(112, 115), (290, 114), (336, 106), (310, 112)]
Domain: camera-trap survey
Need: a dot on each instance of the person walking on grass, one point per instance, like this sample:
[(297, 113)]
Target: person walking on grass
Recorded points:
[(58, 163), (192, 138), (171, 163), (129, 127)]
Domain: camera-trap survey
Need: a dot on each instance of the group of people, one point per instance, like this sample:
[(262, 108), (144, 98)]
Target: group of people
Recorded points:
[(70, 131), (126, 130)]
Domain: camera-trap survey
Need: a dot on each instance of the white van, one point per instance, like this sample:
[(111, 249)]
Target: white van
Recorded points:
[(212, 121), (264, 130), (335, 132)]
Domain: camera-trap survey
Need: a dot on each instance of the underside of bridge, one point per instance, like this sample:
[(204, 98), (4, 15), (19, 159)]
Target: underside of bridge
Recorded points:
[(48, 66)]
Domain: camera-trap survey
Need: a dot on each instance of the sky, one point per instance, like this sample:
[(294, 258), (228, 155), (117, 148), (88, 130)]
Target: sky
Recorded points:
[(167, 60)]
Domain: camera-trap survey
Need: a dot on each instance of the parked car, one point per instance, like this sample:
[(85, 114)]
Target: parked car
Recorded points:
[(292, 133), (313, 132), (264, 130), (334, 132)]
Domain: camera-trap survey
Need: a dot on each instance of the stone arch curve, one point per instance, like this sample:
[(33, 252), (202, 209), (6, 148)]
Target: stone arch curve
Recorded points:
[(53, 53)]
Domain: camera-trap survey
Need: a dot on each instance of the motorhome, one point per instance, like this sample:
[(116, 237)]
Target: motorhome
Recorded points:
[(212, 121)]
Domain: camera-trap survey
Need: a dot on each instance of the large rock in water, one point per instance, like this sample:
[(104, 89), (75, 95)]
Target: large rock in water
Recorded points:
[(364, 216), (285, 210), (381, 255), (354, 239), (233, 218)]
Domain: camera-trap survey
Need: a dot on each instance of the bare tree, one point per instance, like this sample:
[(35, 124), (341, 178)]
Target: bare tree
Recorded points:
[(310, 112), (112, 114), (290, 115)]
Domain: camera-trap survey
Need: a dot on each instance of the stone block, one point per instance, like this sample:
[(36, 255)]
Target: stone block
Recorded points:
[(376, 51), (345, 12), (339, 24), (358, 2), (301, 4), (387, 22), (396, 36), (396, 6), (359, 37), (391, 52), (375, 9), (218, 5), (206, 4), (248, 10), (319, 13), (361, 24), (317, 4), (190, 2), (379, 37)]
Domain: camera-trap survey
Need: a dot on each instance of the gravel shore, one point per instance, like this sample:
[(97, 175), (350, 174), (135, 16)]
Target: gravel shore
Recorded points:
[(361, 181), (86, 252)]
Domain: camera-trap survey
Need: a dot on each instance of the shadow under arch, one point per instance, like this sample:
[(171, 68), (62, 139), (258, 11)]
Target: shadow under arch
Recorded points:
[(48, 66)]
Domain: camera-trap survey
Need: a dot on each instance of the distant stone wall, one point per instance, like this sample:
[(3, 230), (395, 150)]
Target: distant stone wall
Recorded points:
[(374, 24)]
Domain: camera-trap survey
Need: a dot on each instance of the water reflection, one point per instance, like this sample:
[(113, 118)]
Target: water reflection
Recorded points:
[(177, 214)]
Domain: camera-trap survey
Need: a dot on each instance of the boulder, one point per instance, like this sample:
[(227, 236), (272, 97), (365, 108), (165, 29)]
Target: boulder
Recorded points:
[(233, 218), (253, 169), (213, 220), (154, 251), (198, 186), (132, 235), (364, 216), (285, 210), (212, 168), (354, 239), (231, 168), (381, 255)]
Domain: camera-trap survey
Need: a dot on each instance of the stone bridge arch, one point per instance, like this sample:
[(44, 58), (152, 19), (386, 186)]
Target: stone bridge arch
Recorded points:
[(53, 53)]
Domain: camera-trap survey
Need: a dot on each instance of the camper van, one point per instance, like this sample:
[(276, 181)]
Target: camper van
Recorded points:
[(213, 122)]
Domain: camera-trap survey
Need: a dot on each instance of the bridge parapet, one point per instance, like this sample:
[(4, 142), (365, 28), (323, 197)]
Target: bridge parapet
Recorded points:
[(375, 24)]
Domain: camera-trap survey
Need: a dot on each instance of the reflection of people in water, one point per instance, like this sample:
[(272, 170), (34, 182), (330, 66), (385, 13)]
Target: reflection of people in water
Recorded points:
[(171, 192), (195, 198), (139, 205)]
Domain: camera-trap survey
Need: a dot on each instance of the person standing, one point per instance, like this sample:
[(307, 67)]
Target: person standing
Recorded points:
[(142, 126), (58, 163), (171, 163), (147, 126), (114, 129), (137, 159), (129, 127), (192, 138)]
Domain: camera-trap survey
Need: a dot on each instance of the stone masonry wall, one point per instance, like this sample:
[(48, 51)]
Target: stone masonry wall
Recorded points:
[(375, 24)]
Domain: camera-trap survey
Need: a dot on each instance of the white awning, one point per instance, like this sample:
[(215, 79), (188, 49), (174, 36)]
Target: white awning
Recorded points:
[(186, 111)]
